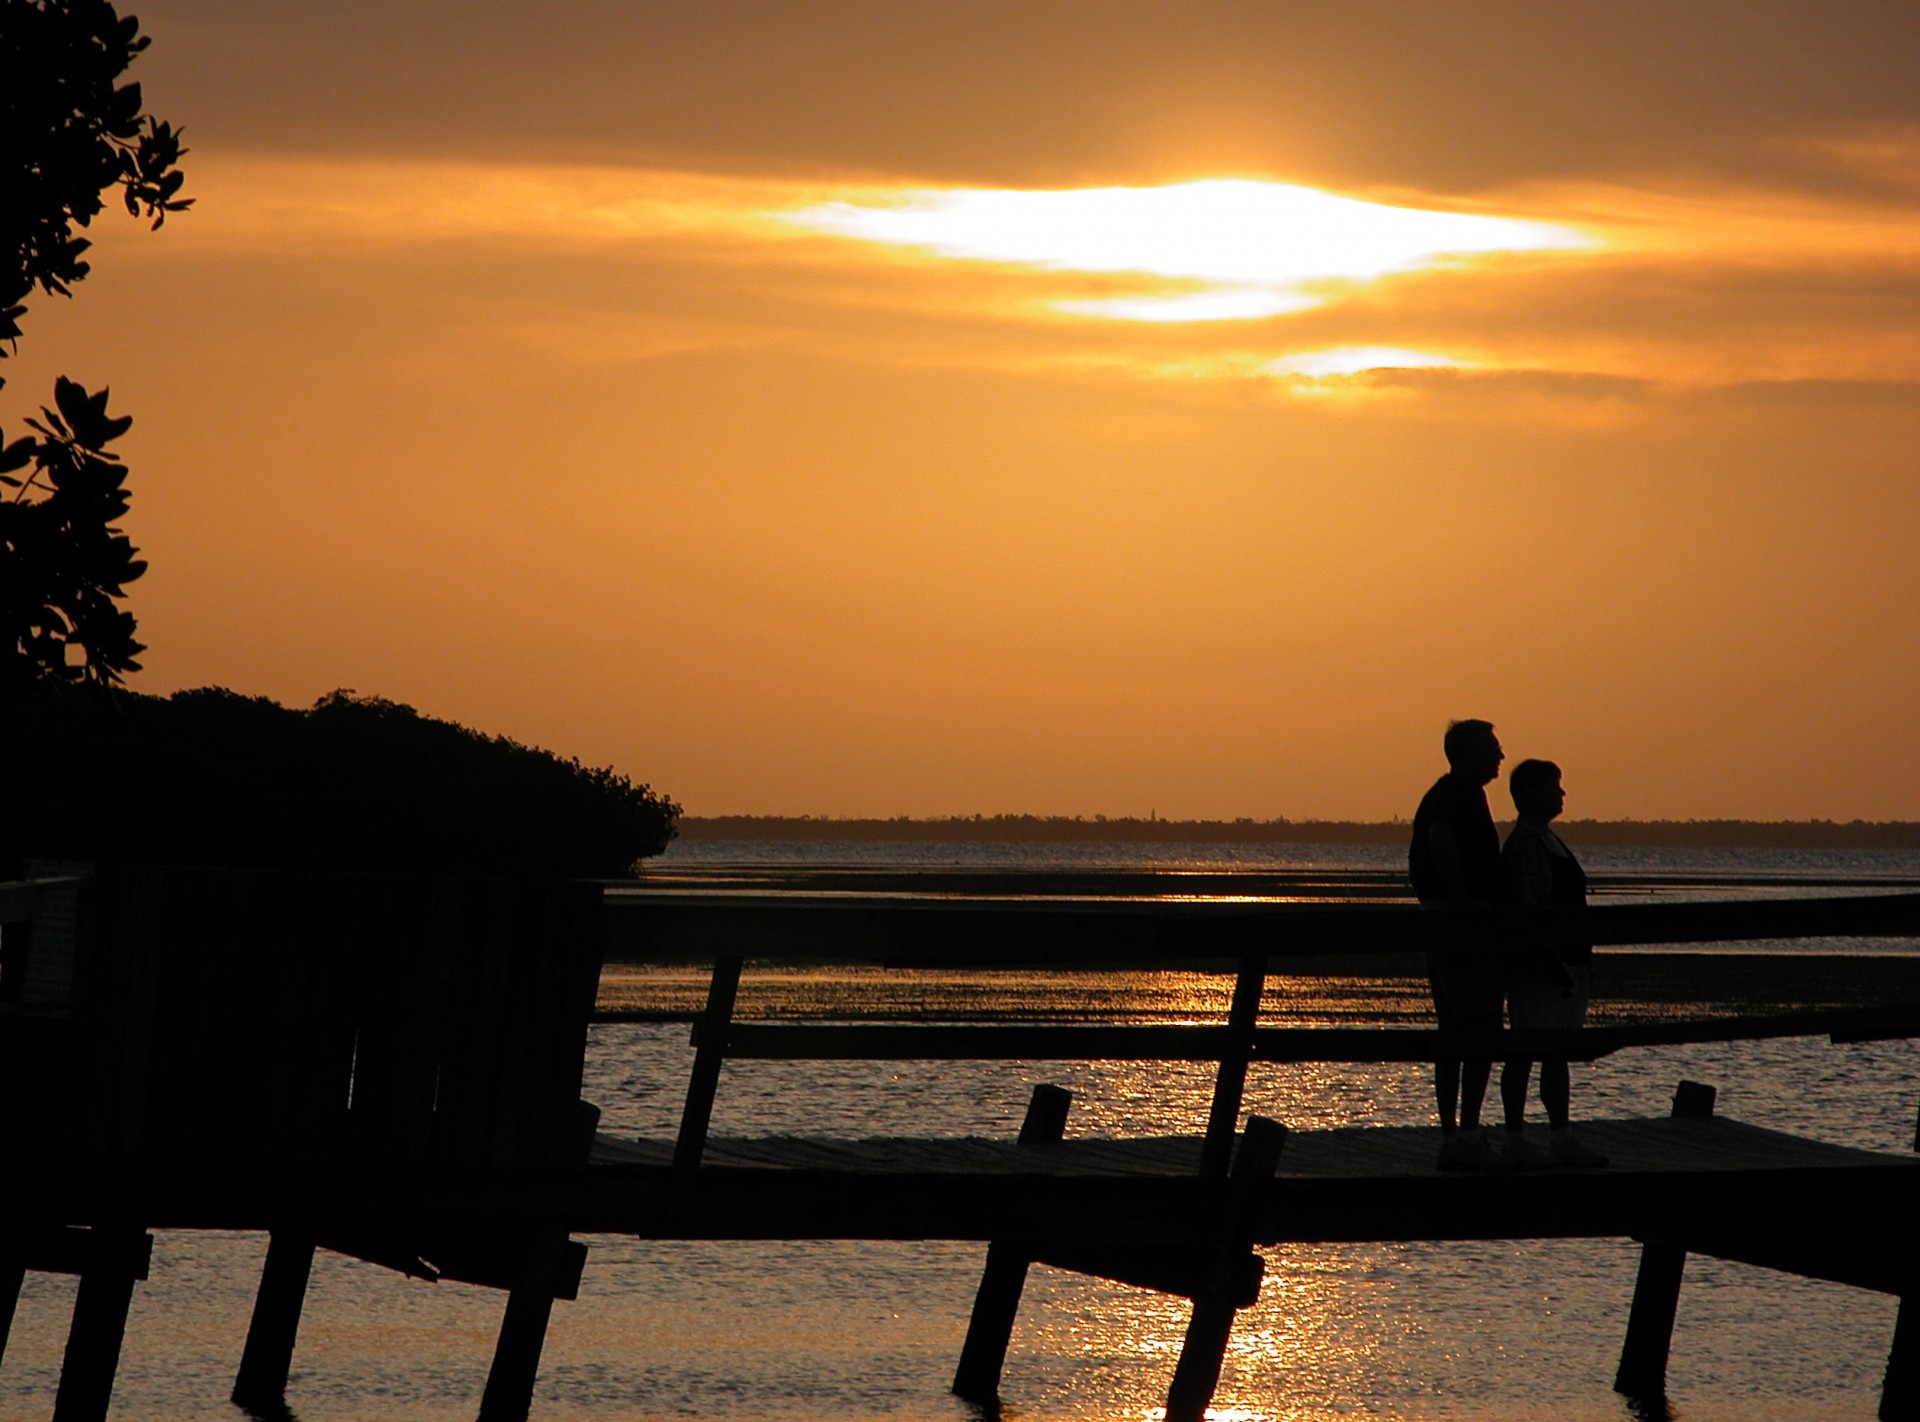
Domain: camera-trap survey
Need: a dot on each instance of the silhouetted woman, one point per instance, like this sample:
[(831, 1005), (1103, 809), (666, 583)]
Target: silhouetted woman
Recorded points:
[(1552, 979)]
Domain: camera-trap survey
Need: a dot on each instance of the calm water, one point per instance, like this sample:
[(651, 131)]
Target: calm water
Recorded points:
[(824, 1332), (1695, 863)]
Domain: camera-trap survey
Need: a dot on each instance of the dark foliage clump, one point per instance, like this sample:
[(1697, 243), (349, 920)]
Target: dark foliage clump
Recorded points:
[(70, 133), (355, 784)]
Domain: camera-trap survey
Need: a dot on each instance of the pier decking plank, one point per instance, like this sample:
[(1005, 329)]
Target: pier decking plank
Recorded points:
[(1356, 1183), (1730, 1184), (1639, 1146)]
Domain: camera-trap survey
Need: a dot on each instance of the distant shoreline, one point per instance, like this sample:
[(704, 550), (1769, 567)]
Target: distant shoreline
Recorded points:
[(1649, 834)]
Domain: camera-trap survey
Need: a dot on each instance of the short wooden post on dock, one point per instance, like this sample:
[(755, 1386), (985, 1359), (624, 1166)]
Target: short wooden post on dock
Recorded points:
[(1204, 1352), (117, 1258), (261, 1384), (990, 1327), (1656, 1289)]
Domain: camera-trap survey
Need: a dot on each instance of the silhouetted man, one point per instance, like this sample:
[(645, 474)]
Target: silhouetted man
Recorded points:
[(1454, 862)]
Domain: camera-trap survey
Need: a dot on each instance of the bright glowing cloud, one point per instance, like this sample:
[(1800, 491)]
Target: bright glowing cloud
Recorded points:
[(1264, 244)]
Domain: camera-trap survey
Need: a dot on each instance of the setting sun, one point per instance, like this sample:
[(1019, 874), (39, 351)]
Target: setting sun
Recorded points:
[(1259, 246)]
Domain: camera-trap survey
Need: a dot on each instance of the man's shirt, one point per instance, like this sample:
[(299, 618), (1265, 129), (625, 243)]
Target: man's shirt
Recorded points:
[(1461, 806)]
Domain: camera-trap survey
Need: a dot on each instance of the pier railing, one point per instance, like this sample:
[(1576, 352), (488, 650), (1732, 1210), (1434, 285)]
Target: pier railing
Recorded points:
[(1248, 939)]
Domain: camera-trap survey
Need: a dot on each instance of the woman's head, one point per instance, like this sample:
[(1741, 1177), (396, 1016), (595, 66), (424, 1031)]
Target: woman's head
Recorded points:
[(1535, 786)]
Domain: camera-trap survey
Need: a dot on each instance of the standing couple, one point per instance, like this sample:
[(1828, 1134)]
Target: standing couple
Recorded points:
[(1456, 860)]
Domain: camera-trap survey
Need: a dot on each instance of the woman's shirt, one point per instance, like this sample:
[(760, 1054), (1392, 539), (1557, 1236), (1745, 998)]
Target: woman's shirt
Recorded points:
[(1541, 872)]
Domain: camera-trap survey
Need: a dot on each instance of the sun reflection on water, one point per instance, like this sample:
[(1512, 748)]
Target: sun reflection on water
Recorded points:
[(1325, 1320)]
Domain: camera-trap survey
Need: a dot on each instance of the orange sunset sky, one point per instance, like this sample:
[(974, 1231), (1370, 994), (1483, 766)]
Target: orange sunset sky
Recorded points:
[(1061, 406)]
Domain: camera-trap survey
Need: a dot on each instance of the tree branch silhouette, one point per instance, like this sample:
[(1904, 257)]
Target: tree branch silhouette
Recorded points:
[(73, 133)]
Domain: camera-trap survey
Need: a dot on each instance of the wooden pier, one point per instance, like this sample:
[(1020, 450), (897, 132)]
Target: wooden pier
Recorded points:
[(391, 1069)]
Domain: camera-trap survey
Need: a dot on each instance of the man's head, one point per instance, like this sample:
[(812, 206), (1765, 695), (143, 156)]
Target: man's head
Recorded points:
[(1473, 750), (1535, 786)]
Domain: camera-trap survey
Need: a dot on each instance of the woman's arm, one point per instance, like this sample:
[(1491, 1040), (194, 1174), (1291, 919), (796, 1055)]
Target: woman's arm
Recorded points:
[(1529, 869)]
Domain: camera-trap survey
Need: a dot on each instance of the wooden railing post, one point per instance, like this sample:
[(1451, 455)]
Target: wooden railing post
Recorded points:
[(1229, 1086), (997, 1301), (1204, 1351), (1656, 1288), (710, 1045)]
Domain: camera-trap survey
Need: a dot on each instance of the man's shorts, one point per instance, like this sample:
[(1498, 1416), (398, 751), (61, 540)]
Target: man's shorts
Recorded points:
[(1469, 987)]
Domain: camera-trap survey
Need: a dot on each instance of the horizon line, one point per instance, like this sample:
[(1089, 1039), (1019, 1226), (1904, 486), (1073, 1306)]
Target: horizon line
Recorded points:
[(1239, 820), (1646, 834)]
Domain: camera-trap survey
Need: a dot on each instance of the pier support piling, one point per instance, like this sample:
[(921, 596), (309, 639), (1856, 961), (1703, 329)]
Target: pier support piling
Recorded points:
[(117, 1259), (261, 1384), (997, 1302), (1204, 1351), (1656, 1303), (1656, 1289), (990, 1327), (523, 1331), (13, 1274), (1900, 1390)]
